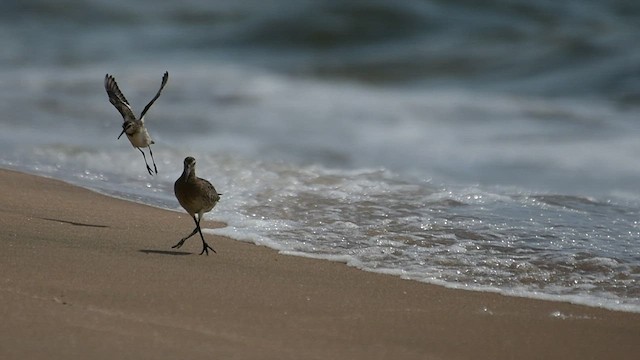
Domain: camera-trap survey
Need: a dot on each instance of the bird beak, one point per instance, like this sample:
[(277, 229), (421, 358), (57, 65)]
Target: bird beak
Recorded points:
[(121, 134)]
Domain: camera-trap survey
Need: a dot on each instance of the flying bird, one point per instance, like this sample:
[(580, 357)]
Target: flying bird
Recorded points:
[(134, 127)]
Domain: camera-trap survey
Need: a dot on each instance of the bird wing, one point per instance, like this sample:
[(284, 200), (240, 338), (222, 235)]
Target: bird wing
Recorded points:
[(117, 98), (211, 191), (165, 77)]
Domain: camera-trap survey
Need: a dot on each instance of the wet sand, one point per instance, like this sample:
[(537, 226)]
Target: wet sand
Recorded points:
[(85, 276)]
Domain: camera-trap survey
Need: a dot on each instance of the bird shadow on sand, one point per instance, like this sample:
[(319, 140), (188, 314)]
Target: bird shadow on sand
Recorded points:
[(164, 252), (75, 223)]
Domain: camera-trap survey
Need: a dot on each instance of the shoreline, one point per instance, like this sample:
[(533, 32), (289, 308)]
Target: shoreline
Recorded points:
[(496, 291), (85, 275)]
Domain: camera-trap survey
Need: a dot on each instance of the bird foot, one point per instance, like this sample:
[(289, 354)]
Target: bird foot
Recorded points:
[(205, 249), (179, 244), (150, 171)]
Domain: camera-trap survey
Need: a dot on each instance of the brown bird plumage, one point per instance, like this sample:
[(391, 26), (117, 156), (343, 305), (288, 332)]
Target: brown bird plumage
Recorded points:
[(197, 196)]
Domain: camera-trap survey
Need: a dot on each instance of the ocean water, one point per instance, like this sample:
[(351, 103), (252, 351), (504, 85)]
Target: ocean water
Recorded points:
[(490, 147)]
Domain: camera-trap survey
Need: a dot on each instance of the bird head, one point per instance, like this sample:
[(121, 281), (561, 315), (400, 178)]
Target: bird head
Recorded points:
[(127, 127)]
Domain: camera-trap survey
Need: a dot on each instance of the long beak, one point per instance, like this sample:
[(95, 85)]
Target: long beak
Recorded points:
[(120, 134)]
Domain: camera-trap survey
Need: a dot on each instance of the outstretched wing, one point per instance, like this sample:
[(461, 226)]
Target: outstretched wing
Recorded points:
[(165, 77), (117, 99)]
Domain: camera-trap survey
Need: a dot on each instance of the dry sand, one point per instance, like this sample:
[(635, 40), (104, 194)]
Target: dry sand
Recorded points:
[(85, 276)]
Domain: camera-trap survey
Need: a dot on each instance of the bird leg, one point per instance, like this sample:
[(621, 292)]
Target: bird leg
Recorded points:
[(181, 242), (153, 160), (145, 162), (205, 246)]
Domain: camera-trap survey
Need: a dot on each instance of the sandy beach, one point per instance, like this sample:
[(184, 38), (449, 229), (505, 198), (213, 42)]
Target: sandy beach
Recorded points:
[(86, 276)]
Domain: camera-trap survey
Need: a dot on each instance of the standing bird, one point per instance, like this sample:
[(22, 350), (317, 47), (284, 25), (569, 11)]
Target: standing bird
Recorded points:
[(134, 128), (197, 196)]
